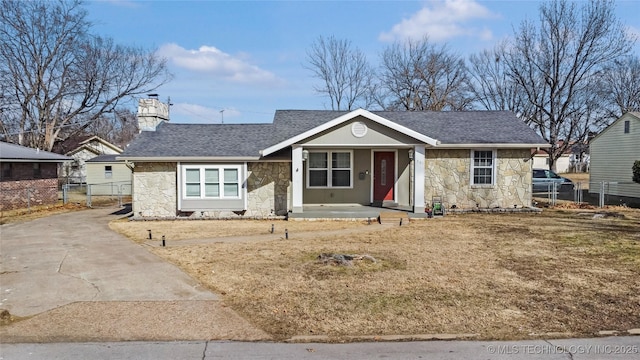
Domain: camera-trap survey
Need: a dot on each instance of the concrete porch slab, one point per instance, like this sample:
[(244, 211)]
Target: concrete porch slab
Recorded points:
[(347, 212)]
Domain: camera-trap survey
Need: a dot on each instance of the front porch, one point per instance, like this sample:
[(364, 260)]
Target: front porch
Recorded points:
[(349, 212), (375, 176)]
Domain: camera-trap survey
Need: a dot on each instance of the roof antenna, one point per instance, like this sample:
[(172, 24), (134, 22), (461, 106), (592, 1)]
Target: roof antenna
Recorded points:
[(222, 114)]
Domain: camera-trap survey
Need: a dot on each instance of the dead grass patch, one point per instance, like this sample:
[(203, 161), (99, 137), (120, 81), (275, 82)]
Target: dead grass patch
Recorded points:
[(36, 212), (138, 231), (507, 276)]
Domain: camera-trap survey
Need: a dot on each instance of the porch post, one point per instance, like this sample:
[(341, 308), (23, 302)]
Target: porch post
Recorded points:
[(296, 177), (418, 181)]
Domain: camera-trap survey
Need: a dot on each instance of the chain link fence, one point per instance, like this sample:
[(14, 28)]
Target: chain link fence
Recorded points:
[(27, 197), (600, 195), (98, 194)]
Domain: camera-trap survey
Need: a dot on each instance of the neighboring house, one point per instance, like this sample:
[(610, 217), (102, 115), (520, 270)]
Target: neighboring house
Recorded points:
[(541, 161), (28, 176), (82, 149), (572, 160), (396, 159), (613, 153), (108, 176)]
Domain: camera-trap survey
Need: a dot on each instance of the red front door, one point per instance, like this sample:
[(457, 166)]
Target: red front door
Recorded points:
[(384, 172)]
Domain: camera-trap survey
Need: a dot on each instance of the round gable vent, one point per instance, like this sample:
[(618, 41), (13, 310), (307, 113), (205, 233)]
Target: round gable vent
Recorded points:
[(358, 129)]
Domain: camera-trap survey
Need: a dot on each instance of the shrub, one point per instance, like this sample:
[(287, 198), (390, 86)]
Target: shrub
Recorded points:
[(636, 171)]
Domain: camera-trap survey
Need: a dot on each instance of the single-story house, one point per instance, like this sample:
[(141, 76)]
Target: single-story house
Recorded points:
[(613, 153), (108, 176), (308, 157), (28, 176), (81, 149)]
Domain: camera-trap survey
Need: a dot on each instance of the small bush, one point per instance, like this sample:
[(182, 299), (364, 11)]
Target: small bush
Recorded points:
[(636, 171)]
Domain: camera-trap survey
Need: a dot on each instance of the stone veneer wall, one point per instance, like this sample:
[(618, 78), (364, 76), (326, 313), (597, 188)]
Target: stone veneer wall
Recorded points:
[(154, 190), (447, 174), (269, 188)]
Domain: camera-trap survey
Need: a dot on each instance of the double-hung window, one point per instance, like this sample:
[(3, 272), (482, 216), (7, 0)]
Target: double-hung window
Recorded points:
[(482, 167), (330, 169), (211, 182)]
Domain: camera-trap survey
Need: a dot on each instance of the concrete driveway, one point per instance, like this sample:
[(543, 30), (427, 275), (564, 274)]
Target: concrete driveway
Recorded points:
[(83, 282), (57, 260)]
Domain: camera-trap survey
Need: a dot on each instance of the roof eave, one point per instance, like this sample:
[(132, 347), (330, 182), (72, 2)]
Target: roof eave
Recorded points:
[(37, 160), (188, 158), (492, 146)]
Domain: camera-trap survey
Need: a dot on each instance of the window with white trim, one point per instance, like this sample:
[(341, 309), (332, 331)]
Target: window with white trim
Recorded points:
[(482, 167), (211, 182), (330, 169), (108, 172)]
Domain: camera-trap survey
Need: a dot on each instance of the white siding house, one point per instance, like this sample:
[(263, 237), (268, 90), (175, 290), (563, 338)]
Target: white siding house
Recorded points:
[(613, 153), (108, 176)]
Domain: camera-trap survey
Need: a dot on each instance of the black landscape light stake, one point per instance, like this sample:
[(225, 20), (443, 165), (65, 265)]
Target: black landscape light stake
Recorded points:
[(272, 228), (286, 234), (149, 234), (163, 244), (400, 221)]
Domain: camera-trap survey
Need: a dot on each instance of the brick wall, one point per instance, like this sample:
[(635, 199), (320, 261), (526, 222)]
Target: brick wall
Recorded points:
[(23, 185)]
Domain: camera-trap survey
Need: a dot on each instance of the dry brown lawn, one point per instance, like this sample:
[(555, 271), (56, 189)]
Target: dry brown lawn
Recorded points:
[(507, 276), (582, 178)]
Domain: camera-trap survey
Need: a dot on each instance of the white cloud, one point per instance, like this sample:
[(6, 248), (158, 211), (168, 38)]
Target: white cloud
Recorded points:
[(210, 60), (123, 3), (441, 20)]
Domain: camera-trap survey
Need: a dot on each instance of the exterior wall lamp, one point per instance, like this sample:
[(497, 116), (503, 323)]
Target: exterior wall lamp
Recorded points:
[(410, 154)]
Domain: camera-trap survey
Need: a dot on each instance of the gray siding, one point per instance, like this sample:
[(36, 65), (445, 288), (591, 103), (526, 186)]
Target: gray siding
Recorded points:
[(361, 192), (612, 156), (404, 178), (376, 135)]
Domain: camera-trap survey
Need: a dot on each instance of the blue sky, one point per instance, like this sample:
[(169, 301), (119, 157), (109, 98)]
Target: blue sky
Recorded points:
[(247, 57)]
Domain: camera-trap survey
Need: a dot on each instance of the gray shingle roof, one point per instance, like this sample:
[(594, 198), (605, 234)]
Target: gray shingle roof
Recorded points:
[(201, 140), (14, 152), (450, 127), (246, 140)]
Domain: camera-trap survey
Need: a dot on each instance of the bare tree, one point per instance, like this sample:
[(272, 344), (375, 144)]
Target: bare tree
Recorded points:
[(344, 71), (417, 75), (556, 65), (119, 127), (60, 75), (620, 83), (491, 84)]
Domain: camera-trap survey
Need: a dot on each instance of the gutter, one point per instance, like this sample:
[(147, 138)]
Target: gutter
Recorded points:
[(491, 146)]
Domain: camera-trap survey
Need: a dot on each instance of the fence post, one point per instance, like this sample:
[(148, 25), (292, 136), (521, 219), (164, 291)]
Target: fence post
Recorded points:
[(65, 194), (577, 193), (601, 197), (88, 195)]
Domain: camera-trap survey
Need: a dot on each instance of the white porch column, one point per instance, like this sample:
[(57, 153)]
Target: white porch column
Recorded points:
[(418, 180), (296, 177)]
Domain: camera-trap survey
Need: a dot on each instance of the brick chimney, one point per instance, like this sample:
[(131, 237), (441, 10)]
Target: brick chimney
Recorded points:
[(151, 112)]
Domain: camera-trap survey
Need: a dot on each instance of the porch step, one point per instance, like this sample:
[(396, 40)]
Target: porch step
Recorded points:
[(394, 218), (389, 204)]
